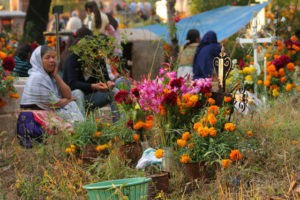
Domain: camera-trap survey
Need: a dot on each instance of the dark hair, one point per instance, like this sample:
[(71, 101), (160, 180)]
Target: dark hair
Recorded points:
[(44, 49), (23, 51), (192, 37), (92, 5), (112, 21)]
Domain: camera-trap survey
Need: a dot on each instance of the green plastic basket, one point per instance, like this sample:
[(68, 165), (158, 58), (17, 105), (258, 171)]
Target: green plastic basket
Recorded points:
[(133, 188)]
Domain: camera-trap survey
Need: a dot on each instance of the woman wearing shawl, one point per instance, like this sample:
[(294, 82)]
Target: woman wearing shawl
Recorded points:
[(45, 89), (205, 53)]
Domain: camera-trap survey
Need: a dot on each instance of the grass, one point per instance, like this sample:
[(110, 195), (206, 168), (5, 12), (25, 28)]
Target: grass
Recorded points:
[(270, 167)]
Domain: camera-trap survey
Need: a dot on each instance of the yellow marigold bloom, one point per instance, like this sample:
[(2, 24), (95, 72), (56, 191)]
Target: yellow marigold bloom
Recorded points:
[(181, 143), (212, 132), (136, 137), (101, 147), (203, 120), (194, 99), (288, 87), (252, 69), (250, 133), (159, 153), (248, 78), (68, 150), (235, 155), (203, 131), (294, 142), (10, 77), (197, 125), (229, 127), (246, 70), (211, 101), (259, 82), (227, 99), (138, 125), (73, 146), (212, 119), (267, 83), (186, 136), (226, 163), (240, 71), (291, 66), (185, 158), (214, 109), (191, 145)]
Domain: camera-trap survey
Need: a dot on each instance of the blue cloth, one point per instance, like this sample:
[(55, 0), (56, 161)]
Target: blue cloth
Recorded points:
[(22, 67), (29, 131), (205, 53), (225, 21)]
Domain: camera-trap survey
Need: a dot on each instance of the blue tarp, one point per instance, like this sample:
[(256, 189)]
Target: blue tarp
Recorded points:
[(225, 21)]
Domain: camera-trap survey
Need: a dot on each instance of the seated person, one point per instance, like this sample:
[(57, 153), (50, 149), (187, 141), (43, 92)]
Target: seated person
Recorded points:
[(22, 58), (206, 51), (45, 89)]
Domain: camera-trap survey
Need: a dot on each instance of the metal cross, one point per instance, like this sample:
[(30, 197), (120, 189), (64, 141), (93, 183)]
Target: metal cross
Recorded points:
[(255, 41)]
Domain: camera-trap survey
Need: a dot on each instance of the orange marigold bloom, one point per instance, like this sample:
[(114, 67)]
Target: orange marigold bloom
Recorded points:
[(16, 96), (227, 99), (268, 55), (148, 125), (248, 56), (68, 150), (267, 83), (283, 79), (271, 68), (185, 158), (235, 155), (212, 119), (298, 89), (181, 143), (197, 125), (203, 131), (250, 133), (259, 82), (97, 120), (281, 72), (226, 163), (291, 66), (97, 134), (211, 101), (269, 77), (101, 147), (162, 110), (136, 137), (138, 125), (159, 153), (191, 145), (294, 38), (212, 132), (149, 118), (279, 42), (288, 87), (214, 109), (229, 127), (186, 136), (251, 62)]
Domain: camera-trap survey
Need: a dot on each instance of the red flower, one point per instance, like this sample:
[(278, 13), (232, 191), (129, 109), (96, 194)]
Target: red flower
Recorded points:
[(130, 124), (241, 64), (281, 61), (8, 63), (33, 45), (135, 92), (176, 19), (170, 98), (176, 82), (123, 96)]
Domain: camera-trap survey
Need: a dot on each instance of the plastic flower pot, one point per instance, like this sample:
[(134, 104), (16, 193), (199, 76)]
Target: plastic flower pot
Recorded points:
[(133, 188)]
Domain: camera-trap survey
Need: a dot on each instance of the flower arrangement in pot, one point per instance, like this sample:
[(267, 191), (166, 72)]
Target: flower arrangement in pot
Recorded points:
[(6, 87), (211, 139)]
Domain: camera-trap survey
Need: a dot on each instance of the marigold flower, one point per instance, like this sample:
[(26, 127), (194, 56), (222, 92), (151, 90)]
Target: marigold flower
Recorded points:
[(148, 125), (235, 155), (185, 158), (73, 146), (226, 163), (101, 147), (227, 99), (2, 55), (214, 109), (138, 125), (259, 82), (212, 132), (203, 131), (229, 127), (197, 125), (181, 143), (97, 120), (159, 153), (298, 89), (275, 93), (16, 96), (212, 119), (191, 145), (162, 110), (267, 83), (136, 137), (211, 101), (291, 66), (294, 38), (250, 133), (283, 79), (186, 136), (68, 150), (288, 87), (97, 134)]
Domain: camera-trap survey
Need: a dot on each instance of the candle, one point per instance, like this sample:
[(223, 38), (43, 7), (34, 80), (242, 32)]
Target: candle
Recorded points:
[(221, 71)]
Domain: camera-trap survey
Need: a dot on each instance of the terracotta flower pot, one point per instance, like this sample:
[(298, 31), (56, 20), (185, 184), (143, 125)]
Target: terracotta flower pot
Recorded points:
[(195, 171), (131, 152), (160, 182)]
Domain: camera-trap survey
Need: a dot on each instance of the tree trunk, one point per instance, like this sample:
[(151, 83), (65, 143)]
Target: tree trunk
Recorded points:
[(36, 21), (172, 30)]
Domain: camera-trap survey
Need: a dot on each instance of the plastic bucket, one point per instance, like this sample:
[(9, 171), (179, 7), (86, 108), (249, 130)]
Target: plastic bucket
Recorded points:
[(133, 188)]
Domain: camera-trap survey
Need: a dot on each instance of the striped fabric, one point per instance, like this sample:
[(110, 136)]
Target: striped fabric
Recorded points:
[(21, 68)]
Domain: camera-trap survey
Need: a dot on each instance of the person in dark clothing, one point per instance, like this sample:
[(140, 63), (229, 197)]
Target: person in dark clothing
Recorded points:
[(205, 53), (21, 58)]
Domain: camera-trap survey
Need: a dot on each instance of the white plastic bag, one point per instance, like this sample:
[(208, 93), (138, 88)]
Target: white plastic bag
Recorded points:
[(148, 158)]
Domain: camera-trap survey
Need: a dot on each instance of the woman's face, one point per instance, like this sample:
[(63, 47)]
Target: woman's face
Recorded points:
[(49, 61), (89, 11)]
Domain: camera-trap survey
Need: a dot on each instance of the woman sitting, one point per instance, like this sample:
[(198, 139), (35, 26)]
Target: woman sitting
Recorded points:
[(44, 90)]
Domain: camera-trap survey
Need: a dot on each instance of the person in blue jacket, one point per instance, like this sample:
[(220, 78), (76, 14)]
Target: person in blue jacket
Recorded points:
[(206, 51)]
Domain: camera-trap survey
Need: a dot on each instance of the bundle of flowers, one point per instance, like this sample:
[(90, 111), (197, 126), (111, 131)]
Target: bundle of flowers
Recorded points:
[(6, 87), (212, 137)]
